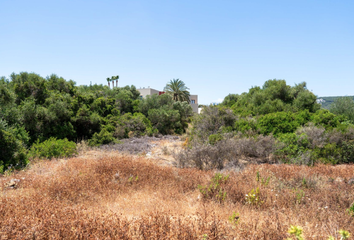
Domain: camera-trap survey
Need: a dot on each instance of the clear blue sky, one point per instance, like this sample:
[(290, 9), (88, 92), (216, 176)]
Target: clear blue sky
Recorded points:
[(215, 47)]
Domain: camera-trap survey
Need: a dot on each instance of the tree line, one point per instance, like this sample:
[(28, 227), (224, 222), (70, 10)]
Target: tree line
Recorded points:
[(34, 110), (45, 117)]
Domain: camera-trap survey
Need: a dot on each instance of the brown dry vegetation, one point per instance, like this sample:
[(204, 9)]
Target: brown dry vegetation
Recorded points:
[(105, 195)]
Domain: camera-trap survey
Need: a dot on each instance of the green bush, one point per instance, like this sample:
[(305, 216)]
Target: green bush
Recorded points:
[(274, 96), (327, 119), (12, 148), (348, 151), (343, 106), (213, 138), (216, 189), (167, 121), (131, 125), (103, 137), (244, 125), (52, 148), (278, 123), (293, 148)]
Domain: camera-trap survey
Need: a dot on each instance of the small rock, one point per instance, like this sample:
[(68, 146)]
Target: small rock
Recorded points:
[(351, 181), (116, 176), (12, 183), (339, 179), (199, 197)]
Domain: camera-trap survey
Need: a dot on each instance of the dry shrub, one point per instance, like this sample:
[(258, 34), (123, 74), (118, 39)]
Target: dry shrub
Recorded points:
[(316, 135), (338, 137), (208, 157), (121, 197), (83, 147), (259, 148), (226, 152)]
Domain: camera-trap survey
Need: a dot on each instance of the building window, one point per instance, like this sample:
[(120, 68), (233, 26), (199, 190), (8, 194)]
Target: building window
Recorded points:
[(193, 101)]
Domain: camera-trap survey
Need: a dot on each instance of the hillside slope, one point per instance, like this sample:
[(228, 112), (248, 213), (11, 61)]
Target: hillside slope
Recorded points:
[(327, 101)]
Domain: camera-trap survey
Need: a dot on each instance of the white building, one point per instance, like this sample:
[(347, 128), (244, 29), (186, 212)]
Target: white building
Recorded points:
[(150, 91)]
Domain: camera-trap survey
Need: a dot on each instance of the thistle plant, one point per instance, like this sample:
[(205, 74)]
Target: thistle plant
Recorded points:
[(216, 188), (344, 234), (264, 181), (253, 197), (297, 232), (234, 218), (350, 210)]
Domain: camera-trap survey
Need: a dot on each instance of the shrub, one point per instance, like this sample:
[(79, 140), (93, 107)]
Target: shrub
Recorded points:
[(327, 119), (211, 121), (136, 124), (297, 232), (348, 151), (350, 210), (316, 136), (293, 148), (274, 96), (215, 190), (208, 156), (260, 147), (103, 137), (253, 197), (277, 123), (343, 106), (52, 148), (167, 121), (244, 125), (12, 148), (213, 138)]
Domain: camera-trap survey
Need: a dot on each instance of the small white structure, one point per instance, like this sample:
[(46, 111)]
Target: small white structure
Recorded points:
[(150, 91)]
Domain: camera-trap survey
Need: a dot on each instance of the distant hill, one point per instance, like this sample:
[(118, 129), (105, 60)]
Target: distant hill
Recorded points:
[(327, 101)]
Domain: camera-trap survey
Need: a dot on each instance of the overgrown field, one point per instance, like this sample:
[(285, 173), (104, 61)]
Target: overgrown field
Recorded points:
[(104, 195)]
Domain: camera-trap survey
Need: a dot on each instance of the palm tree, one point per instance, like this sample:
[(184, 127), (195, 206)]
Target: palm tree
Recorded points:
[(178, 90), (116, 78), (109, 80)]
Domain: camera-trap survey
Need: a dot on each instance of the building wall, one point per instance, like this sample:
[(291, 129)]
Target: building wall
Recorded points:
[(194, 102), (147, 91)]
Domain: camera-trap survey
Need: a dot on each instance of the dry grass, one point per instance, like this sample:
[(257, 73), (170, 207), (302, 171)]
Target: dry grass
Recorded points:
[(109, 196)]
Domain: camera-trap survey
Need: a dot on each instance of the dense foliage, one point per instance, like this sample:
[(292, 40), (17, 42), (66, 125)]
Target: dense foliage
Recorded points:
[(274, 96), (297, 128), (34, 109)]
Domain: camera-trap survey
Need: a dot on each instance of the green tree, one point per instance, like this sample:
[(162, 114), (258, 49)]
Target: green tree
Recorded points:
[(343, 106), (230, 100), (178, 90), (274, 96), (12, 147)]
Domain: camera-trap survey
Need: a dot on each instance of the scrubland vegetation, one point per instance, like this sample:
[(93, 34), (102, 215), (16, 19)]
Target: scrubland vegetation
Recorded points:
[(276, 124), (103, 195), (79, 162)]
